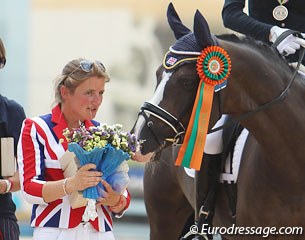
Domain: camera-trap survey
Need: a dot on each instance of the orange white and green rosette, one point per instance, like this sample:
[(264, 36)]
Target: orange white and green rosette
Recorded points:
[(213, 67)]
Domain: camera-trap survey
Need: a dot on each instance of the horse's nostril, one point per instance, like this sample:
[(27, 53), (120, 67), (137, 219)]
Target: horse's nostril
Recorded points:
[(150, 123)]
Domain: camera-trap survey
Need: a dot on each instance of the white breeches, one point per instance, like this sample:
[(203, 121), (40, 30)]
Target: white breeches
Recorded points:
[(81, 232)]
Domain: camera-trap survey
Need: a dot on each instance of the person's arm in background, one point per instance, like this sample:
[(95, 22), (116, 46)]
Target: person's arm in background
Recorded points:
[(15, 182), (235, 19), (12, 186), (17, 115)]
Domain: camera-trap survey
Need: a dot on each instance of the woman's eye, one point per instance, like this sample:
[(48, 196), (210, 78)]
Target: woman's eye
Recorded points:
[(89, 93)]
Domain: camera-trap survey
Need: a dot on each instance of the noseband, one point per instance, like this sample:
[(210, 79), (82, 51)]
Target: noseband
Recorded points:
[(166, 118)]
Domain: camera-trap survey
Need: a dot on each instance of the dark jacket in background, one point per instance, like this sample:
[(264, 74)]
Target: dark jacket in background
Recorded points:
[(260, 20), (11, 118)]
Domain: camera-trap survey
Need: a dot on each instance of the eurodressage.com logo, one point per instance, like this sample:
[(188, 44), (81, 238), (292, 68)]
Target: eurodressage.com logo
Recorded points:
[(236, 230)]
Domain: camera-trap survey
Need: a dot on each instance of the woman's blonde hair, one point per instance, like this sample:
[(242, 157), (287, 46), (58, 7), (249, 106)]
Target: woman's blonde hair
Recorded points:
[(76, 72)]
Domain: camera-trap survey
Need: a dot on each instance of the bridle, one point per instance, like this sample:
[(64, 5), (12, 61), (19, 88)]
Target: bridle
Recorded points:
[(178, 127), (164, 116)]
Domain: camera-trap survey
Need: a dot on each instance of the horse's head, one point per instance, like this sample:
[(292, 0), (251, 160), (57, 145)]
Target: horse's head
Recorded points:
[(164, 118)]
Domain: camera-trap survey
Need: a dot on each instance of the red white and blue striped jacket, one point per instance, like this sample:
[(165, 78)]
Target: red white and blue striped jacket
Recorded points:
[(39, 149)]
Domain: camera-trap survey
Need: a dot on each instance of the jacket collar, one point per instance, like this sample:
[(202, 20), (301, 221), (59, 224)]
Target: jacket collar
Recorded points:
[(60, 124)]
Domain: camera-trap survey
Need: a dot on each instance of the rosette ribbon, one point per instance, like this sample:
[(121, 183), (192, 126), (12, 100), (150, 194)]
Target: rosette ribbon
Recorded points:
[(213, 67)]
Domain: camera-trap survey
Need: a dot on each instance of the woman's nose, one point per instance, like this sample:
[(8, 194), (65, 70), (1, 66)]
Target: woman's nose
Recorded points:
[(97, 98)]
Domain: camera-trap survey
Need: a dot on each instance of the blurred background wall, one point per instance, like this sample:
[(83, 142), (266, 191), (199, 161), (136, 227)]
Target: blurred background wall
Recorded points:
[(129, 36)]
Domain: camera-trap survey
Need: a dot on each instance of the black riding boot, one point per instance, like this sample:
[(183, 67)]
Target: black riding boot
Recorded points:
[(206, 185)]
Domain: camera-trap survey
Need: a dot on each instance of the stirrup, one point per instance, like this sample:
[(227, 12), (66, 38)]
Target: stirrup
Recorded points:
[(203, 215), (194, 231), (202, 212), (191, 232)]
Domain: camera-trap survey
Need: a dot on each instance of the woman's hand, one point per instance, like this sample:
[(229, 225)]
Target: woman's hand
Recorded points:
[(111, 197), (116, 202), (85, 177)]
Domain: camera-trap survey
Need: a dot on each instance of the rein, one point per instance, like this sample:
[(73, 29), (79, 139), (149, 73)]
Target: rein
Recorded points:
[(281, 96)]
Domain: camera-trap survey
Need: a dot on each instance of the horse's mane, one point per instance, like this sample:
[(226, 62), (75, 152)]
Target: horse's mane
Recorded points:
[(271, 53)]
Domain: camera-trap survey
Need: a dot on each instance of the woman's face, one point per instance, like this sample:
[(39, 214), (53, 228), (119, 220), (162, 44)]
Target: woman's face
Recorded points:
[(84, 103)]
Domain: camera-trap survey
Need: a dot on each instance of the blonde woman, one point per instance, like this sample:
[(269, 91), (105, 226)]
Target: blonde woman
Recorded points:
[(78, 93)]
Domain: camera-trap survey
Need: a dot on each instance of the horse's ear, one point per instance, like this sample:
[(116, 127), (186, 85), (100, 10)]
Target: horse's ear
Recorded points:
[(175, 23), (202, 31)]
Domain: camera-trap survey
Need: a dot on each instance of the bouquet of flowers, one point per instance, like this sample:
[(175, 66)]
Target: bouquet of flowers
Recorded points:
[(109, 148)]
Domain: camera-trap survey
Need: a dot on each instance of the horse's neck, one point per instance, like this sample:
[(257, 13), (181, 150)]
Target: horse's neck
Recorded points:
[(279, 129)]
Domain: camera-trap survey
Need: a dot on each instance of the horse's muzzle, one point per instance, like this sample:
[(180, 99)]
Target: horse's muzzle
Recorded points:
[(139, 157)]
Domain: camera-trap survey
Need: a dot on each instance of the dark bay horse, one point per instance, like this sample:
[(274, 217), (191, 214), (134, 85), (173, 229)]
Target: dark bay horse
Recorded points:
[(271, 179)]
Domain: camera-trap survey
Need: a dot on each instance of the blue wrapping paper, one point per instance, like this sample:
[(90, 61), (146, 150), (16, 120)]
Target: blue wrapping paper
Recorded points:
[(107, 160), (111, 160)]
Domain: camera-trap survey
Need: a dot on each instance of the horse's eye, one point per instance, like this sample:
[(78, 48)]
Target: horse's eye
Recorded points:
[(188, 83)]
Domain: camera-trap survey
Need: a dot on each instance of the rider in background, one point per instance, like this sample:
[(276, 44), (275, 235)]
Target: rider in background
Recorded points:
[(267, 20)]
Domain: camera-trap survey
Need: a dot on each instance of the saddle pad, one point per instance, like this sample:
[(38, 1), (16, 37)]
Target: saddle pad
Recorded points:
[(231, 173), (190, 172)]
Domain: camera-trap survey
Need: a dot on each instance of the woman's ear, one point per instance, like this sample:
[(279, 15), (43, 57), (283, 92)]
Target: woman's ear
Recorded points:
[(64, 92)]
